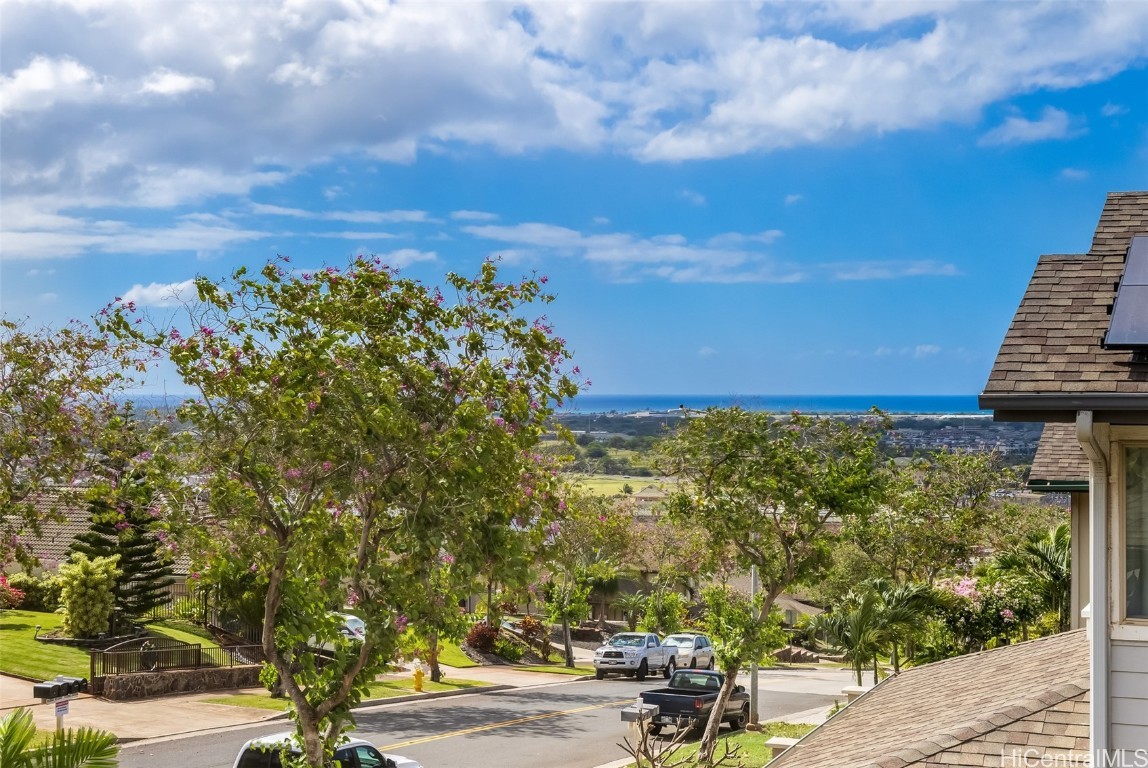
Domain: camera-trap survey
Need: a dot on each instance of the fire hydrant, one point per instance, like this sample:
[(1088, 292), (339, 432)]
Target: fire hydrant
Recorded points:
[(418, 677)]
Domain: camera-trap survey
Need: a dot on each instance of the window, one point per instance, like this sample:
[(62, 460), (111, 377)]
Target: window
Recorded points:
[(1136, 532), (369, 757), (651, 642)]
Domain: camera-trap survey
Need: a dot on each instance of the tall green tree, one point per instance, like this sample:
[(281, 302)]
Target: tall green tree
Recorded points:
[(934, 516), (765, 487), (352, 425), (72, 748), (859, 626), (56, 388), (741, 634), (124, 502), (588, 548)]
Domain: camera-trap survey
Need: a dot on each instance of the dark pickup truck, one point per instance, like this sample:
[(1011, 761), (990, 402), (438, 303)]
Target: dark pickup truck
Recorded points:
[(687, 702)]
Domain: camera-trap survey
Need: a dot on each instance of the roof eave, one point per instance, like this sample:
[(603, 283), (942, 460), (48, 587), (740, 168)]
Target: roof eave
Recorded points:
[(1109, 407), (1057, 486)]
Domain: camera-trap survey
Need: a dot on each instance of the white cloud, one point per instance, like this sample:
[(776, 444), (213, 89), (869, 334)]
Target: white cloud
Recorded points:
[(473, 216), (45, 82), (160, 294), (1074, 174), (48, 297), (793, 199), (1052, 124), (600, 221), (165, 82), (925, 350), (332, 192), (404, 257), (891, 270), (1113, 110), (705, 352), (279, 87), (693, 198), (352, 234), (730, 257), (351, 217)]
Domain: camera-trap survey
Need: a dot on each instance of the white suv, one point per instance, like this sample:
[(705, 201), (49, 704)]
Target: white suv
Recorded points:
[(634, 654), (352, 753), (693, 651)]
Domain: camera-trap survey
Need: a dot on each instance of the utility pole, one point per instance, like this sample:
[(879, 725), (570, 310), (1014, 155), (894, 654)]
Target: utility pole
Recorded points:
[(753, 725)]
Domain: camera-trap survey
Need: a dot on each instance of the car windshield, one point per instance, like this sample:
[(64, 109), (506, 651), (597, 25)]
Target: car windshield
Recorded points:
[(628, 641), (681, 641), (355, 624)]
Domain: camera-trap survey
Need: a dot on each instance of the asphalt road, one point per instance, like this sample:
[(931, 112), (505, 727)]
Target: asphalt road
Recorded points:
[(566, 725)]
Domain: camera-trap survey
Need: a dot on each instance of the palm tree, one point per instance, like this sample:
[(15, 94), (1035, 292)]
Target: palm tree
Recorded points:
[(82, 748), (903, 611), (857, 627), (632, 606), (1044, 561)]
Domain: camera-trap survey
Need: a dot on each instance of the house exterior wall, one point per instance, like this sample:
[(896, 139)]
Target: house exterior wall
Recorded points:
[(1081, 583), (1127, 637)]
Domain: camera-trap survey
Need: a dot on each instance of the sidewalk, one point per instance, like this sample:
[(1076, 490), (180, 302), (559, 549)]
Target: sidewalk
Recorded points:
[(188, 713)]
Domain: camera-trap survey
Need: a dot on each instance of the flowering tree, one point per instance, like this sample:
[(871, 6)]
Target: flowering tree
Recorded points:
[(352, 426), (55, 391)]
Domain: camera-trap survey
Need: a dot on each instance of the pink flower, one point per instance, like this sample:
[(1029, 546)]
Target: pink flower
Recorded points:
[(293, 474), (401, 622), (312, 405), (254, 568), (328, 466)]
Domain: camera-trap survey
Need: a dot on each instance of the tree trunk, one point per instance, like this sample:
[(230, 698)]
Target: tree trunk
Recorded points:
[(875, 680), (432, 658), (490, 602), (713, 725), (896, 659), (569, 647)]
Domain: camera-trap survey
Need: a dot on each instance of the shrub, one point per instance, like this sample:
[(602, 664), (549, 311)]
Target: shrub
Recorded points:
[(10, 597), (482, 637), (41, 593), (87, 594), (537, 636), (508, 649), (665, 613)]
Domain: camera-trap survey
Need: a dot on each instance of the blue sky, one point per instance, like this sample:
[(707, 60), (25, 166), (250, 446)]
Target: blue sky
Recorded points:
[(814, 198)]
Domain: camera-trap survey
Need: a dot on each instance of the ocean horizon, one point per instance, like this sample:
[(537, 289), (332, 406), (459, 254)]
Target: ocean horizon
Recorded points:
[(931, 404)]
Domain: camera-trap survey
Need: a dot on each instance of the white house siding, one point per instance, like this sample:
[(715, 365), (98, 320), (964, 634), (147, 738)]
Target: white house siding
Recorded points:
[(1128, 695)]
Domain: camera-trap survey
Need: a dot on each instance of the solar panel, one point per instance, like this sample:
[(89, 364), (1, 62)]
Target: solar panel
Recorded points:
[(1128, 328)]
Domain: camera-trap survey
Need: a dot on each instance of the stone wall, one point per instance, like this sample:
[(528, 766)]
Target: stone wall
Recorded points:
[(143, 685)]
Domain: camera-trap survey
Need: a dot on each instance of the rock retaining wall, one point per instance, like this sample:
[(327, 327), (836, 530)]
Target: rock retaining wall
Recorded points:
[(145, 685)]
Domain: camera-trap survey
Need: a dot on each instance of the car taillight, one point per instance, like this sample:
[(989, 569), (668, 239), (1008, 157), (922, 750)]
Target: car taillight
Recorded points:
[(697, 703)]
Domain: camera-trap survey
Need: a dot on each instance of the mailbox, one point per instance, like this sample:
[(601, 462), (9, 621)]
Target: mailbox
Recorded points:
[(60, 687)]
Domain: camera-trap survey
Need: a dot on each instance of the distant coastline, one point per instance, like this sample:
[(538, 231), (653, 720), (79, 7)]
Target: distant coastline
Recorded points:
[(899, 404)]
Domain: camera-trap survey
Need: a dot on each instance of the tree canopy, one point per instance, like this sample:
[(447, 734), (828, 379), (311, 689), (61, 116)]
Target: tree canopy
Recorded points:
[(353, 428)]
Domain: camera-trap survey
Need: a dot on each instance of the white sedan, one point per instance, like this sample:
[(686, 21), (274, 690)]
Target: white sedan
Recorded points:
[(352, 753)]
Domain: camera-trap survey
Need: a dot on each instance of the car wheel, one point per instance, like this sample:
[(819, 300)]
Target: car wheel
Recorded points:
[(711, 664), (738, 722), (654, 730), (669, 670), (643, 670), (600, 674), (693, 663)]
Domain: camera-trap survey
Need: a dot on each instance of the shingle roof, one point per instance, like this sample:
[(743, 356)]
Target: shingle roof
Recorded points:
[(991, 700), (1053, 345), (1059, 458)]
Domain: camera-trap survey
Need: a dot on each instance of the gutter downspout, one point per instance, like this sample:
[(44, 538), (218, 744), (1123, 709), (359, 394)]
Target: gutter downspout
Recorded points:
[(1098, 589)]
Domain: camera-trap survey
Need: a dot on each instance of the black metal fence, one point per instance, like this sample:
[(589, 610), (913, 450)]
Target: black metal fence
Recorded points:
[(157, 655), (183, 602)]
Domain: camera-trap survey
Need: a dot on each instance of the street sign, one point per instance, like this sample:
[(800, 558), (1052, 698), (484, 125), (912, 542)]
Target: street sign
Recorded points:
[(62, 708)]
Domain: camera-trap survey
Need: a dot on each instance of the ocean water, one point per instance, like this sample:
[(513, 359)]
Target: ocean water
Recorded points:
[(939, 404)]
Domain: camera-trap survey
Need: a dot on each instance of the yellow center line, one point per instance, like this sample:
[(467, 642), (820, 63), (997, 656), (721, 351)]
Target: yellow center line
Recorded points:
[(503, 724)]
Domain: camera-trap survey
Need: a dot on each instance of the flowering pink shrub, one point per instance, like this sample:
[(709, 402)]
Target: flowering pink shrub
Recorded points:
[(10, 597)]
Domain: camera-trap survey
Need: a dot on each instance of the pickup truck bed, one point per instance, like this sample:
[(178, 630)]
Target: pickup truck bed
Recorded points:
[(691, 694)]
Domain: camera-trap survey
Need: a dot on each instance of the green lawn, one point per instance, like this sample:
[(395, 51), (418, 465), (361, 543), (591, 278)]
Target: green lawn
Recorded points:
[(451, 655), (557, 669), (383, 689), (182, 630), (23, 655), (753, 750)]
